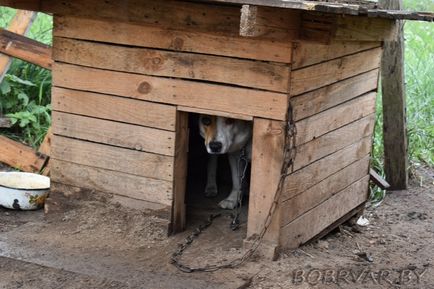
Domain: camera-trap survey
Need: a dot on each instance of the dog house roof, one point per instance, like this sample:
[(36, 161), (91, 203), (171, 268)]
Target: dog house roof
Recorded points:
[(346, 7)]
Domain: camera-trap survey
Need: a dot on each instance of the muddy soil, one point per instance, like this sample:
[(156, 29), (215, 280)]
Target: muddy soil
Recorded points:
[(98, 244)]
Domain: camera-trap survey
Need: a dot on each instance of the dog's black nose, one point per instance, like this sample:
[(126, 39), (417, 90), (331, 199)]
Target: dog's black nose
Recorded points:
[(215, 146)]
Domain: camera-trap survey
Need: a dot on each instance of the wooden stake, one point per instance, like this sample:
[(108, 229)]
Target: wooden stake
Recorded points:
[(394, 107)]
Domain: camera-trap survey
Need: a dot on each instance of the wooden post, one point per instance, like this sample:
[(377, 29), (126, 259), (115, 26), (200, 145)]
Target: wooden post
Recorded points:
[(394, 107), (20, 24)]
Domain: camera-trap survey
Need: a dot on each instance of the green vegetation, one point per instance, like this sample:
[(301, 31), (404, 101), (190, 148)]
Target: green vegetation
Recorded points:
[(25, 90)]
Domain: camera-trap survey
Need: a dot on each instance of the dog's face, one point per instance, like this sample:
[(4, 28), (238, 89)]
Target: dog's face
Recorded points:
[(222, 134)]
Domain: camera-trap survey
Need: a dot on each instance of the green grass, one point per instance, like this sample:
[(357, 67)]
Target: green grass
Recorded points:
[(25, 90)]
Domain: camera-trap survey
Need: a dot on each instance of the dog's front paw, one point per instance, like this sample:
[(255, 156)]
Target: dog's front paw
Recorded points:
[(211, 191), (228, 204)]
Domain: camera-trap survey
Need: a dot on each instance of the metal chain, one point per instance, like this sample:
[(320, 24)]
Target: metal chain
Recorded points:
[(287, 164)]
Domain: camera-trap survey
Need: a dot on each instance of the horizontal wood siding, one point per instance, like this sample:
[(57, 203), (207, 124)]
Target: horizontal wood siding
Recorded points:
[(316, 101), (333, 141), (110, 181), (301, 203), (173, 91), (312, 127), (319, 75), (114, 133), (314, 173), (309, 53), (153, 36), (234, 71), (320, 217), (113, 158), (114, 108)]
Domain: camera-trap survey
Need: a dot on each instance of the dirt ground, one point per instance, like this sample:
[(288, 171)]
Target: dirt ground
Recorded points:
[(98, 245)]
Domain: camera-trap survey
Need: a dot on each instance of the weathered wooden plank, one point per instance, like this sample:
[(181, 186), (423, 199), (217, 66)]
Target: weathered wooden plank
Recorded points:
[(137, 34), (316, 101), (314, 173), (249, 73), (20, 156), (394, 107), (173, 91), (358, 28), (5, 122), (112, 158), (319, 218), (180, 172), (45, 147), (312, 127), (215, 112), (378, 180), (350, 7), (316, 76), (267, 158), (333, 141), (309, 53), (258, 21), (20, 24), (16, 45), (114, 108), (108, 181), (301, 203), (114, 133)]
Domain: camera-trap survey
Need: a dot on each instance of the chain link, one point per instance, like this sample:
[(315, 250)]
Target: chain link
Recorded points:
[(287, 167)]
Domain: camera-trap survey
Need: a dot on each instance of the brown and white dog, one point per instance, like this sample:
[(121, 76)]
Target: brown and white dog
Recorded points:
[(225, 136)]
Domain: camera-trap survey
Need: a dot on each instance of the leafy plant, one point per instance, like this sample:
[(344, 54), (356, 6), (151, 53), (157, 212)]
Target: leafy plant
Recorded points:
[(25, 91)]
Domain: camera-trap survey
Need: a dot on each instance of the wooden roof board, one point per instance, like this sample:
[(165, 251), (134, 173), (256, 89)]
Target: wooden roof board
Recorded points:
[(345, 7)]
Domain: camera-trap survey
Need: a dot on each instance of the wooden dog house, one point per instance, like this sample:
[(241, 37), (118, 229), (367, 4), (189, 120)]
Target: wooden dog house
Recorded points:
[(127, 73)]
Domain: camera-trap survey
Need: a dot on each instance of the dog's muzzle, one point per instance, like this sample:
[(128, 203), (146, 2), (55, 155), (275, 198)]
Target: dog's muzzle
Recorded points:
[(215, 146)]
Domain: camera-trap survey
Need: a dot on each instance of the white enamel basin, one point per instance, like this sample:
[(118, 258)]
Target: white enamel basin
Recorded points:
[(23, 191)]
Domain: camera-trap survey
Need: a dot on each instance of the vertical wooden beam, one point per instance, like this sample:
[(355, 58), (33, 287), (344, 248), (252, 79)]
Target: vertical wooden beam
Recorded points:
[(20, 24), (394, 107), (180, 172), (267, 159)]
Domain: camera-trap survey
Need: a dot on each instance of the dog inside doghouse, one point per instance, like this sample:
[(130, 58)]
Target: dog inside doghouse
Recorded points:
[(218, 169)]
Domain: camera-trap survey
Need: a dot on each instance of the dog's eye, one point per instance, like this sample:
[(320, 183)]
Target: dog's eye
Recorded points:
[(229, 121), (206, 120)]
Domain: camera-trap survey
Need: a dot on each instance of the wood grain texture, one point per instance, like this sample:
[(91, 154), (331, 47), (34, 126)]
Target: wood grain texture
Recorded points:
[(5, 122), (20, 156), (109, 181), (115, 108), (114, 133), (173, 91), (113, 158), (248, 73), (180, 169), (215, 112), (314, 173), (319, 218), (20, 24), (136, 34), (309, 53), (316, 76), (312, 127), (307, 200), (316, 101), (394, 107), (267, 158), (333, 141), (16, 45)]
